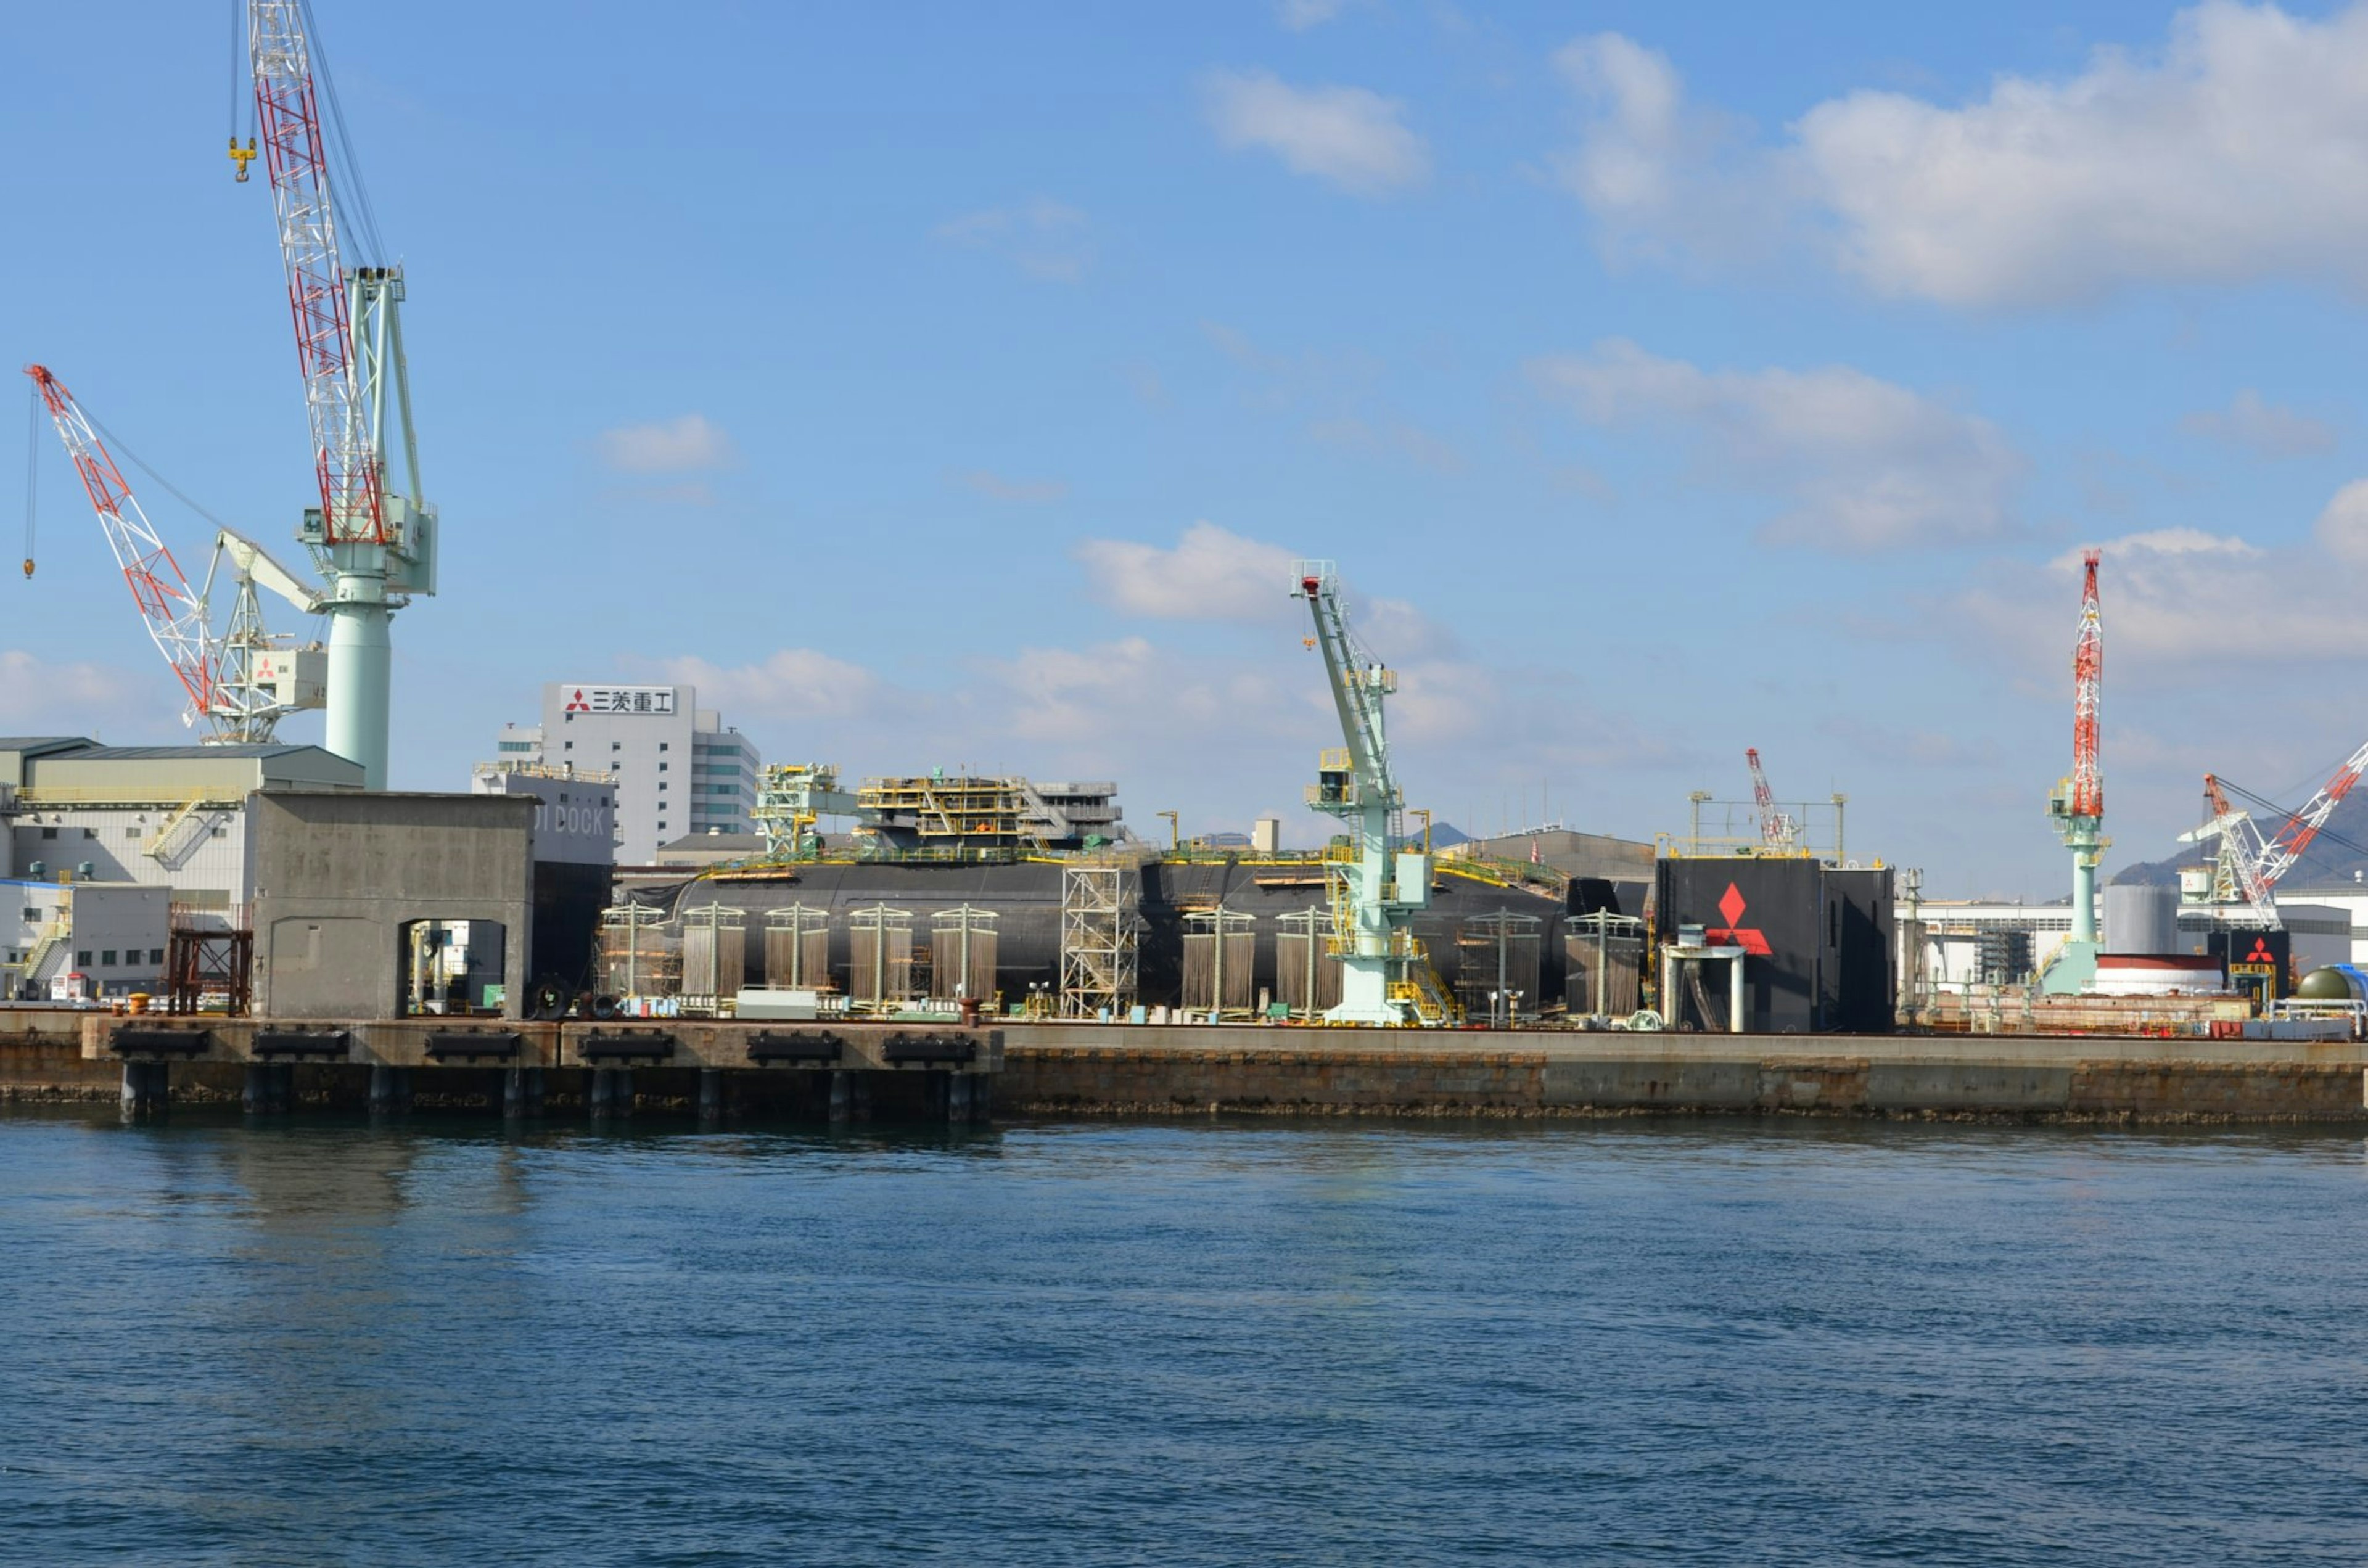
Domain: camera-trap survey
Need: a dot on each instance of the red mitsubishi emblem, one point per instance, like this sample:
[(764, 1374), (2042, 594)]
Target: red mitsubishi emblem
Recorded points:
[(1734, 934)]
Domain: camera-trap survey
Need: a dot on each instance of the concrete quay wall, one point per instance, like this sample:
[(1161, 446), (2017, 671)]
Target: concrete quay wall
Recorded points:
[(1115, 1070)]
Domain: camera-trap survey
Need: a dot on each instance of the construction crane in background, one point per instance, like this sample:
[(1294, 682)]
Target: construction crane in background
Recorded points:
[(239, 685), (1385, 977), (1778, 830), (2077, 803), (2247, 867), (375, 545)]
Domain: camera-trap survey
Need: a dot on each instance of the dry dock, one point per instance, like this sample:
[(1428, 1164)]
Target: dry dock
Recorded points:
[(854, 1069)]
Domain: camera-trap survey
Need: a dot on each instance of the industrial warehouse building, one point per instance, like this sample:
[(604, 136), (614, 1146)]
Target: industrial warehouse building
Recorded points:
[(677, 767)]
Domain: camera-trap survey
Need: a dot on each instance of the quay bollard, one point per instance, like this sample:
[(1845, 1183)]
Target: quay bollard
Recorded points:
[(522, 1092), (710, 1093), (147, 1088)]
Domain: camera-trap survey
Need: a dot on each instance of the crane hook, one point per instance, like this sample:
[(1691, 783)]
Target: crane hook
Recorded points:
[(28, 566), (242, 156)]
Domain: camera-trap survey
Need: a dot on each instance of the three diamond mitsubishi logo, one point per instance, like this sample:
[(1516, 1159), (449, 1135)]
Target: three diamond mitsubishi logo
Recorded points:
[(1735, 934)]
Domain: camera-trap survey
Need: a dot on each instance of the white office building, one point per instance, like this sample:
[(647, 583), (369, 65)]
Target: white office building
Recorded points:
[(676, 767)]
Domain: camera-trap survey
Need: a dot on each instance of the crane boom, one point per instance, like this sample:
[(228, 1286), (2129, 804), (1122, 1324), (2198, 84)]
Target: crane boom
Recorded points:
[(175, 617), (1777, 829), (1376, 894), (288, 120), (2255, 865)]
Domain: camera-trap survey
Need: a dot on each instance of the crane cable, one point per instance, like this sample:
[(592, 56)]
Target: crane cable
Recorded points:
[(32, 468)]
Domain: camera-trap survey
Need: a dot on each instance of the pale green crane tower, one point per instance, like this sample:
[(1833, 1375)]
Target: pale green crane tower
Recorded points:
[(1378, 888)]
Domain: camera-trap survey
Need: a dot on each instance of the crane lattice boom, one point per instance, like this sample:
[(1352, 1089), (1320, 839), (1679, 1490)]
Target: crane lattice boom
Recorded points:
[(1777, 829), (175, 617), (2088, 678), (288, 119)]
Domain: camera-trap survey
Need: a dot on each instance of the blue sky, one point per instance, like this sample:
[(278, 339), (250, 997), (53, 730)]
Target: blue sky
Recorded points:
[(952, 385)]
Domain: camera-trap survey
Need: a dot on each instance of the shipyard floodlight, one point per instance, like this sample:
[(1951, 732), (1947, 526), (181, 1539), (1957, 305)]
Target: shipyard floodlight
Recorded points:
[(1377, 890)]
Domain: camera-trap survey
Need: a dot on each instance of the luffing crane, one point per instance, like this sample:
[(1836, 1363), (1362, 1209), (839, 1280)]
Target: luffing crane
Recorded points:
[(1778, 830), (2248, 865), (2077, 803), (1385, 976), (239, 685), (375, 545)]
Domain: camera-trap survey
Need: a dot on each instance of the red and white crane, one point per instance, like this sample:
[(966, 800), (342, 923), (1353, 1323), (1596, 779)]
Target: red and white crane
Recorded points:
[(2077, 803), (2249, 866), (241, 683), (1778, 830), (176, 618)]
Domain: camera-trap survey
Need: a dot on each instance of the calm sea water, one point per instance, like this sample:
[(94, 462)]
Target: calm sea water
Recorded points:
[(1237, 1343)]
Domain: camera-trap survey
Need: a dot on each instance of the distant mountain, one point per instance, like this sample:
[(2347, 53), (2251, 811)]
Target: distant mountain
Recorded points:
[(2327, 860), (1446, 835)]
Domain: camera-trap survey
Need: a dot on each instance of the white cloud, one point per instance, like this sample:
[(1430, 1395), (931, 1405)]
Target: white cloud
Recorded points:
[(2263, 429), (1043, 237), (2342, 528), (1346, 135), (997, 487), (796, 684), (1299, 15), (2236, 151), (1210, 575), (38, 697), (1666, 180), (681, 444), (1866, 464)]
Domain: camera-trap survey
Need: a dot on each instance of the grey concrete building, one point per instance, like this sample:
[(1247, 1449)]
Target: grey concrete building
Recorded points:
[(380, 905), (677, 767)]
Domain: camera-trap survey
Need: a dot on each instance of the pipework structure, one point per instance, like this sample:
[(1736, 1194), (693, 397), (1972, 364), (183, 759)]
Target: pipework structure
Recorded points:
[(1378, 889), (2077, 804)]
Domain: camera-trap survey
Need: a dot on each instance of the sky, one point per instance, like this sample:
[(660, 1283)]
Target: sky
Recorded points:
[(955, 386)]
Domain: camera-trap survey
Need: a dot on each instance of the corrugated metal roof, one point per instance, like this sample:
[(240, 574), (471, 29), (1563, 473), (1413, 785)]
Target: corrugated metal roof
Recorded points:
[(43, 742), (183, 754)]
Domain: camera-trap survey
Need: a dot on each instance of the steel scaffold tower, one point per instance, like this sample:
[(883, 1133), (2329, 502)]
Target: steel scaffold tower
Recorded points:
[(1098, 940)]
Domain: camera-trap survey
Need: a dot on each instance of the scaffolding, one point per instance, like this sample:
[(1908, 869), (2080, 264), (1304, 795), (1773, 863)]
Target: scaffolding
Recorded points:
[(638, 956), (1220, 961), (797, 948), (880, 953), (961, 954), (206, 969), (1097, 938), (1497, 966), (714, 955), (1306, 966), (793, 798)]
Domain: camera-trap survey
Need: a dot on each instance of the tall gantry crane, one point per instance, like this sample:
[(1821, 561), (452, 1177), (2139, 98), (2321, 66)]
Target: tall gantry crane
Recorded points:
[(375, 545), (1778, 829), (2078, 803), (239, 685), (1385, 976)]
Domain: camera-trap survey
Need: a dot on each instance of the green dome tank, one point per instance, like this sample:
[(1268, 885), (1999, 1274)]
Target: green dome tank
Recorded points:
[(2328, 986)]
